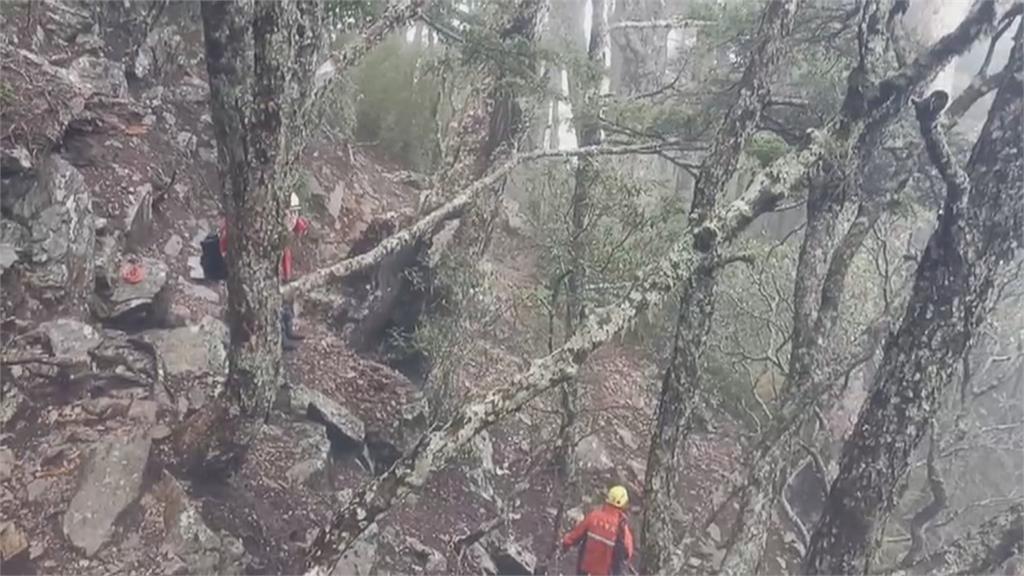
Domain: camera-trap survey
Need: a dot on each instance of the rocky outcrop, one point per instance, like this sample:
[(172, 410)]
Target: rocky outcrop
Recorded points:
[(361, 557), (343, 427), (199, 549), (192, 350), (109, 482), (431, 560), (71, 339), (509, 557), (57, 213), (145, 302), (99, 76)]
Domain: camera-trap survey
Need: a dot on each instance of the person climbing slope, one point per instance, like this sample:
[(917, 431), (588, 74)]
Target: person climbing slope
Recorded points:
[(604, 537)]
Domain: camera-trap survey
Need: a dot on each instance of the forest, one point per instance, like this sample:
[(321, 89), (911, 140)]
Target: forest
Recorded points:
[(335, 287)]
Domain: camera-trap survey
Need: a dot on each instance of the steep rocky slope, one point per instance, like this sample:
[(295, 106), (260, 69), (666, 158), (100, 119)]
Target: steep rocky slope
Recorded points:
[(109, 166)]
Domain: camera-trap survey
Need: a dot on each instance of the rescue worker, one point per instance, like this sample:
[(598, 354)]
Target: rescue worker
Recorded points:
[(298, 226), (604, 537)]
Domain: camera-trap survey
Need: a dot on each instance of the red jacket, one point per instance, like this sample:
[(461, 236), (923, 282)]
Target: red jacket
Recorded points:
[(286, 256), (598, 532)]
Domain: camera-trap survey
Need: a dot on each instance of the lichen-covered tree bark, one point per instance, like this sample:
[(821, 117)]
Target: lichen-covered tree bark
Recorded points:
[(260, 59), (263, 63), (980, 227), (983, 550), (681, 380)]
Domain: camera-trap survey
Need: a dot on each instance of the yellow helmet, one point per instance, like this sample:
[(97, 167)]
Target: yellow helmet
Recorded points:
[(618, 497)]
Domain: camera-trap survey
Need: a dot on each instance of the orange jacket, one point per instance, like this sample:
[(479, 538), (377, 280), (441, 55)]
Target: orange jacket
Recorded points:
[(598, 532)]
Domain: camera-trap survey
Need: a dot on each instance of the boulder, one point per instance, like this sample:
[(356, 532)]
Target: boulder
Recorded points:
[(479, 557), (173, 246), (58, 213), (109, 482), (361, 557), (71, 339), (201, 550), (12, 542), (160, 52), (6, 464), (99, 76), (482, 471), (47, 98), (11, 399), (509, 557), (343, 427), (146, 299), (312, 444), (8, 256), (14, 161), (433, 561), (138, 222), (193, 350)]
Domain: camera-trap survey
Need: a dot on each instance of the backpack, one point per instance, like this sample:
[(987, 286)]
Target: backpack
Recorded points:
[(619, 550), (212, 261)]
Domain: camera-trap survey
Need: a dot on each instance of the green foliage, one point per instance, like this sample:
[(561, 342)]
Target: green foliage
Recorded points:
[(766, 147), (353, 14), (7, 96), (627, 220), (399, 92)]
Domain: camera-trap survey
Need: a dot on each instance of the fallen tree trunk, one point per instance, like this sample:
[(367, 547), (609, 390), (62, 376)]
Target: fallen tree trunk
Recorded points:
[(454, 208)]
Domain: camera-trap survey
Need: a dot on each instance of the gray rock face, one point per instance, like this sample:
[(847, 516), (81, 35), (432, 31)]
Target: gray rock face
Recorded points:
[(433, 561), (100, 76), (479, 557), (11, 399), (71, 339), (510, 557), (58, 211), (12, 541), (109, 482), (200, 549), (158, 53), (313, 443), (15, 161), (342, 425), (130, 299), (361, 557), (173, 246), (6, 464), (193, 350), (482, 472)]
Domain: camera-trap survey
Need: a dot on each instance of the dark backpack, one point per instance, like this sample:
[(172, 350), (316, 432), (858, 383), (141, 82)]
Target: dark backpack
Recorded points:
[(212, 261), (619, 550)]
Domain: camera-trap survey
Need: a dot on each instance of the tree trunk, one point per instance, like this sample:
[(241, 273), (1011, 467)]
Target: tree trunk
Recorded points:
[(680, 386), (588, 133), (819, 286), (260, 58), (980, 226)]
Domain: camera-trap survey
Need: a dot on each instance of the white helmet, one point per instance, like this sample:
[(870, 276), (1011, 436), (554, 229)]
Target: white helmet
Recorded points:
[(294, 205)]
